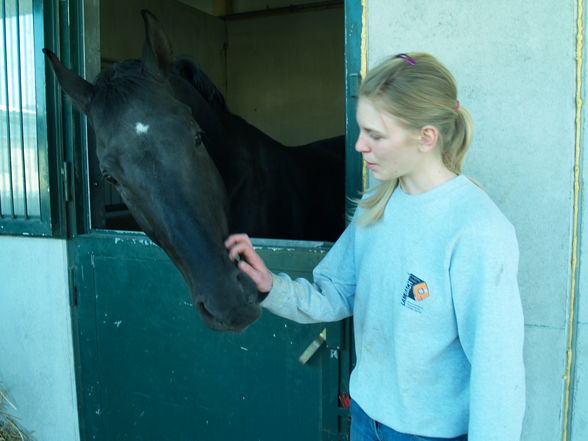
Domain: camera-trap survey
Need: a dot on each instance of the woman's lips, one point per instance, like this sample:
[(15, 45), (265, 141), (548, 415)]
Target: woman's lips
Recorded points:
[(369, 165)]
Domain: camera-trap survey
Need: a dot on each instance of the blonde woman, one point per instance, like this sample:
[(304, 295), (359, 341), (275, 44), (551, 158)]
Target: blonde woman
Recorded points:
[(427, 268)]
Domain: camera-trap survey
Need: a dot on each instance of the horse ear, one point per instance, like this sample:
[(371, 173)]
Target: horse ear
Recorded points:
[(157, 50), (79, 90)]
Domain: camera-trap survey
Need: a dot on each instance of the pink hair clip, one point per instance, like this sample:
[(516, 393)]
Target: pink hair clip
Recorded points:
[(457, 104), (406, 58)]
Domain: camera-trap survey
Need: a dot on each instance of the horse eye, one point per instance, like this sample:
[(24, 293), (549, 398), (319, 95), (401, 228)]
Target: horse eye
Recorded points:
[(110, 179), (198, 138)]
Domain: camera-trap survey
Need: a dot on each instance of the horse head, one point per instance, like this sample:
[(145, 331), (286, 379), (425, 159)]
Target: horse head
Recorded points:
[(151, 149)]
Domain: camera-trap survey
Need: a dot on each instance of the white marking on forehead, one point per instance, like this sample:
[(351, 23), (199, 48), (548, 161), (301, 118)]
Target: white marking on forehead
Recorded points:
[(141, 128)]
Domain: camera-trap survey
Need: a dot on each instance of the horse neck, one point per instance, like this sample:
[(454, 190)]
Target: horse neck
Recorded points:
[(227, 135)]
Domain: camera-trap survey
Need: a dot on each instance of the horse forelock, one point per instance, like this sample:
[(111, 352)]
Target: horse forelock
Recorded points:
[(119, 86)]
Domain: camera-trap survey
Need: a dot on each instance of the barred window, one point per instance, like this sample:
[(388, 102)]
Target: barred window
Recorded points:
[(24, 181)]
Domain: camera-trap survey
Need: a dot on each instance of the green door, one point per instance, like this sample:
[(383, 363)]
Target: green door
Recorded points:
[(147, 368), (150, 370)]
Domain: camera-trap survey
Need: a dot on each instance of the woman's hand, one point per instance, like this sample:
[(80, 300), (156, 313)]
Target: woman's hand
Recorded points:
[(239, 245)]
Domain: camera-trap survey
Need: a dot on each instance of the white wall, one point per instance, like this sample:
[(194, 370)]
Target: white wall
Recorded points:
[(36, 349), (579, 399), (515, 67)]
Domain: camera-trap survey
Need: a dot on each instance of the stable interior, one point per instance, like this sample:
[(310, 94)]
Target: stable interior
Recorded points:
[(279, 64)]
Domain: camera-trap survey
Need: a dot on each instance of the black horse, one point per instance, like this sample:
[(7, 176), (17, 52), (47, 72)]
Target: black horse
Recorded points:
[(274, 191), (152, 118)]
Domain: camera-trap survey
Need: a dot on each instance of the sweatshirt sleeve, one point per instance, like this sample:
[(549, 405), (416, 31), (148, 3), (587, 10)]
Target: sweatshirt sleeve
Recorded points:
[(490, 324), (329, 298)]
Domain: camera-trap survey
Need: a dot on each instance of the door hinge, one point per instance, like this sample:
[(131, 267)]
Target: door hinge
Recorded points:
[(353, 84), (73, 288), (66, 175)]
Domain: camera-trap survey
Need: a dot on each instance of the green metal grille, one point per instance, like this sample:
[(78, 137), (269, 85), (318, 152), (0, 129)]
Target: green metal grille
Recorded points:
[(24, 173), (19, 191)]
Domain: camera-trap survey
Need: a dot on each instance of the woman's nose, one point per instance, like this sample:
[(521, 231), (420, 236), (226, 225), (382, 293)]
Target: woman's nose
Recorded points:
[(361, 145)]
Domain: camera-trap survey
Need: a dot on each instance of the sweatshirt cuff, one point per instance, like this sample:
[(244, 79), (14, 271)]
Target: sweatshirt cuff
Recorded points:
[(276, 295)]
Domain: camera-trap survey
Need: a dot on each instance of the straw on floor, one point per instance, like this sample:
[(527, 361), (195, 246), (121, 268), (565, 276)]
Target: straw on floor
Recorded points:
[(10, 429)]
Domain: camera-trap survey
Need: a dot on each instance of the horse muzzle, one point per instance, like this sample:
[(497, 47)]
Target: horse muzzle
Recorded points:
[(230, 307)]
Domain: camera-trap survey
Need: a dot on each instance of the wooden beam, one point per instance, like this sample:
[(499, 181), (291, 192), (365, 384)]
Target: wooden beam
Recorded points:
[(219, 8), (285, 10)]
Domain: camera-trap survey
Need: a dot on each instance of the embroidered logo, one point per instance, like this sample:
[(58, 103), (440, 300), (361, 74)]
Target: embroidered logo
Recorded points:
[(415, 292)]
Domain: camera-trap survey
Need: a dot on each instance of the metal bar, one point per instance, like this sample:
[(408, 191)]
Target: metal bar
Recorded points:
[(32, 48), (3, 22), (43, 101), (575, 264), (9, 147), (292, 9), (22, 138), (355, 56)]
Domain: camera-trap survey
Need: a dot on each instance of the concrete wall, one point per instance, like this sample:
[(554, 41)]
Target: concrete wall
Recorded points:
[(579, 398), (515, 66), (285, 74), (190, 31), (36, 349)]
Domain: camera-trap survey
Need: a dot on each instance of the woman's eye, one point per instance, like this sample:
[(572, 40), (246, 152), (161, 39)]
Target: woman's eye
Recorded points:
[(374, 137)]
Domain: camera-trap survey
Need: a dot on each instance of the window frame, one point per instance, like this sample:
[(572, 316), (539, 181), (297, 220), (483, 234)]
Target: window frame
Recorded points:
[(52, 170)]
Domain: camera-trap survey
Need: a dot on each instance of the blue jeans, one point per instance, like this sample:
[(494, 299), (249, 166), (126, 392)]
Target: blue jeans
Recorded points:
[(363, 428)]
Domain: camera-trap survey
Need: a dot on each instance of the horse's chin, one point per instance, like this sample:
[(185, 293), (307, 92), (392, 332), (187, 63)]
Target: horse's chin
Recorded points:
[(252, 313)]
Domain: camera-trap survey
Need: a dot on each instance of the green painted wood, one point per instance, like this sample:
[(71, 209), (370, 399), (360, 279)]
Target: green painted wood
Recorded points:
[(148, 369), (353, 161), (151, 370)]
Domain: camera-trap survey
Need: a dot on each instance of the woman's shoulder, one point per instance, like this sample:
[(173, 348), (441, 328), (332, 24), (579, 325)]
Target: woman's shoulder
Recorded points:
[(475, 210)]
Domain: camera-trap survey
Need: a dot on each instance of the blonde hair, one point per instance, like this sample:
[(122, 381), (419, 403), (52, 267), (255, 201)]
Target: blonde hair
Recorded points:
[(417, 90)]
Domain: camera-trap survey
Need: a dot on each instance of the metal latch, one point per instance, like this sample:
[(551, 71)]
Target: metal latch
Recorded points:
[(313, 347)]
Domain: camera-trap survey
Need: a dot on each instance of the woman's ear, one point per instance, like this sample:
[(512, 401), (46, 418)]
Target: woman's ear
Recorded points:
[(429, 136)]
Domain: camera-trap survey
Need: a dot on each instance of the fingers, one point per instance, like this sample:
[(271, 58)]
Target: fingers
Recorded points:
[(244, 251), (258, 277), (239, 245), (236, 243), (262, 278), (237, 238)]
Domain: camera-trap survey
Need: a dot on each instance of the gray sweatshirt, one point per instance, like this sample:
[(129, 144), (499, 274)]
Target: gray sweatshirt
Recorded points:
[(438, 321)]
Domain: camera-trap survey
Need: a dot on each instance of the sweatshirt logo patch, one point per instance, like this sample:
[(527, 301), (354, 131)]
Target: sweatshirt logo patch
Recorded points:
[(415, 292)]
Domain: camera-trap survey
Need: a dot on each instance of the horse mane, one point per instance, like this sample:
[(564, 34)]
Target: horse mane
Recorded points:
[(184, 67)]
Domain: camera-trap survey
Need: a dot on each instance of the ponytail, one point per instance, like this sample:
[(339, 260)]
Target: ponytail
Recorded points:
[(417, 90), (456, 146)]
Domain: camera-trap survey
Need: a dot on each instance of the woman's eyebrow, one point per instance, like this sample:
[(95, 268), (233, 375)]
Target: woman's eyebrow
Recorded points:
[(374, 131)]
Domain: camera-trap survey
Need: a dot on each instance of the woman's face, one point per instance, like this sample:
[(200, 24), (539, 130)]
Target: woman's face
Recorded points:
[(389, 150)]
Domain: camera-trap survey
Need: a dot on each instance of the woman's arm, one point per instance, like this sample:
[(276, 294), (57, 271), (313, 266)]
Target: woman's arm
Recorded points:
[(328, 298), (491, 329)]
